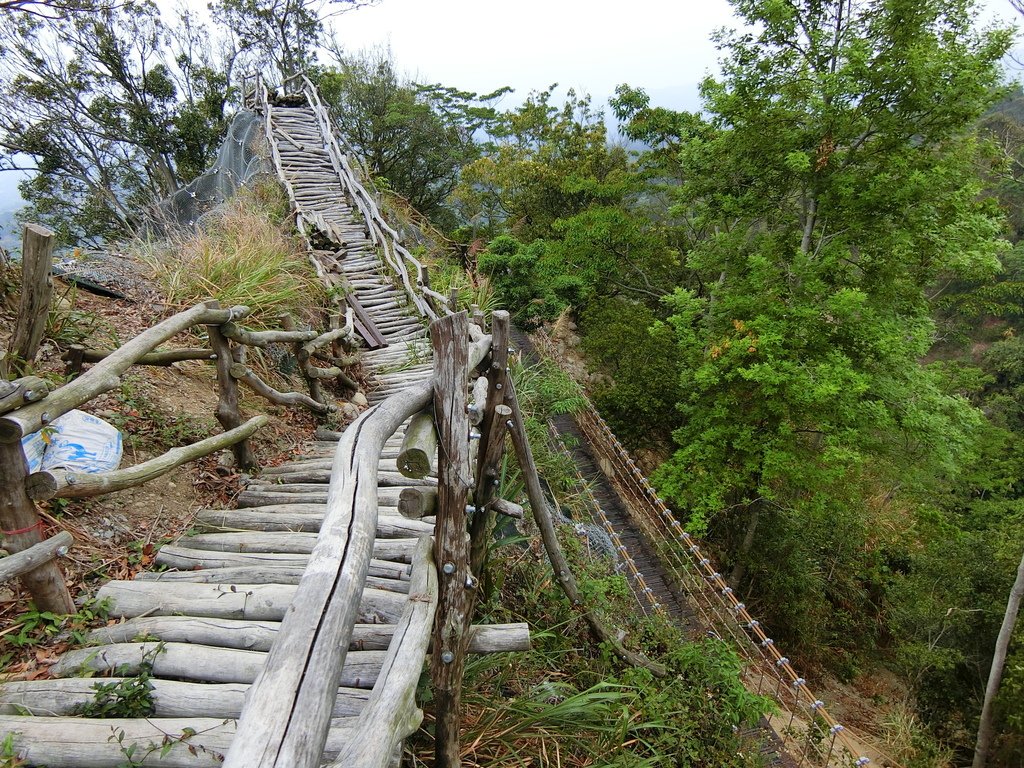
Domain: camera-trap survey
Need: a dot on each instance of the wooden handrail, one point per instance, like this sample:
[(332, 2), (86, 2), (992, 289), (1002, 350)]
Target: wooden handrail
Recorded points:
[(66, 484), (106, 374), (36, 555), (287, 714), (392, 714)]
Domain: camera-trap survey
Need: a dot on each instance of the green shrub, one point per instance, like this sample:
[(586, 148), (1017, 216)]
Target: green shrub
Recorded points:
[(244, 254)]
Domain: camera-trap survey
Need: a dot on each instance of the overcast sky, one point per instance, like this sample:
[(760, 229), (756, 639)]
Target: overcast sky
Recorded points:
[(477, 45), (663, 46)]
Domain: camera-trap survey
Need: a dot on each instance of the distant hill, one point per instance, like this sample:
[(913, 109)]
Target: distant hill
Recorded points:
[(1012, 105), (10, 237)]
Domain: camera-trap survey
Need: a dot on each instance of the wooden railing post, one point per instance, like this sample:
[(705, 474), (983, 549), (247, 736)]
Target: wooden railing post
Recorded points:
[(450, 337), (228, 414), (492, 442), (21, 529), (549, 537), (36, 263)]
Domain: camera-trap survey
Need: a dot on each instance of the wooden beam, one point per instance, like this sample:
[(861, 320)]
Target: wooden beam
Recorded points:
[(66, 484), (160, 357), (34, 556), (36, 288), (106, 375), (287, 714), (492, 442), (450, 339), (415, 503), (21, 528), (245, 375), (392, 714), (419, 446), (23, 391), (228, 413), (507, 508)]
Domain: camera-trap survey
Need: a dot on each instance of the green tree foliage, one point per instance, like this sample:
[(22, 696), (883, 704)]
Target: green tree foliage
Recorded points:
[(579, 229), (835, 183), (110, 119), (543, 163), (279, 37), (641, 383), (416, 136), (950, 579)]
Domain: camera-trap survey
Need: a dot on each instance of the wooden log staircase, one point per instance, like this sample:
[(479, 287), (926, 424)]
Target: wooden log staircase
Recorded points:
[(291, 630)]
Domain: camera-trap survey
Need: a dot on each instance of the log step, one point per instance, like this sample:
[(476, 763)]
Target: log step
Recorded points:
[(79, 742), (260, 602), (198, 663), (171, 698)]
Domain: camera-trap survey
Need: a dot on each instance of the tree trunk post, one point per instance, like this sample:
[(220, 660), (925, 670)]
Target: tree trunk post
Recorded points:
[(553, 548), (450, 337), (22, 528), (36, 288), (228, 413), (492, 442), (995, 674), (302, 362)]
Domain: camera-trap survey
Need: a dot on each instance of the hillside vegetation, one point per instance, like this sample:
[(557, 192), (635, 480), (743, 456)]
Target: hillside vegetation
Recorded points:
[(801, 306)]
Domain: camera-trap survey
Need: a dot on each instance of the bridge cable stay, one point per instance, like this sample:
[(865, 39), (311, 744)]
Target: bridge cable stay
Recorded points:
[(769, 672)]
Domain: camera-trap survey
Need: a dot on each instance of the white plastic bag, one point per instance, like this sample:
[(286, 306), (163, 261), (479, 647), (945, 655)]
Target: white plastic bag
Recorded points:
[(34, 446), (81, 442)]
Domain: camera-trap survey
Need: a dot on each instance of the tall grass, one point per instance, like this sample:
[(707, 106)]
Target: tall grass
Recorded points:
[(246, 253)]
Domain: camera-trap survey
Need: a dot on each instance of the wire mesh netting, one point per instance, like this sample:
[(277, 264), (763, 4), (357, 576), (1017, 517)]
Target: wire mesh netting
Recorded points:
[(242, 156)]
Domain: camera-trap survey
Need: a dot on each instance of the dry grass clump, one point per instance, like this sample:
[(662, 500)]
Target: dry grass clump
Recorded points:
[(244, 253)]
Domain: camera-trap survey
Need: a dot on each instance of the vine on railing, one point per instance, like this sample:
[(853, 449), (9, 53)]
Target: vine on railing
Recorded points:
[(769, 672)]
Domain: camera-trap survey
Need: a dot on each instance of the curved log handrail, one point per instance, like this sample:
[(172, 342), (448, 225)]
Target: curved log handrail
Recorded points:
[(106, 374), (286, 720)]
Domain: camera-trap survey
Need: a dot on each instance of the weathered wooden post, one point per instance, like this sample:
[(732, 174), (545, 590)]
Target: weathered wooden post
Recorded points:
[(302, 361), (450, 337), (36, 288), (492, 442), (22, 529), (477, 317), (228, 413), (548, 535)]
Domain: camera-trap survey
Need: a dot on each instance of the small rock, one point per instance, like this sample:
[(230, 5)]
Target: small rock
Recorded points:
[(360, 400), (226, 459), (349, 411)]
